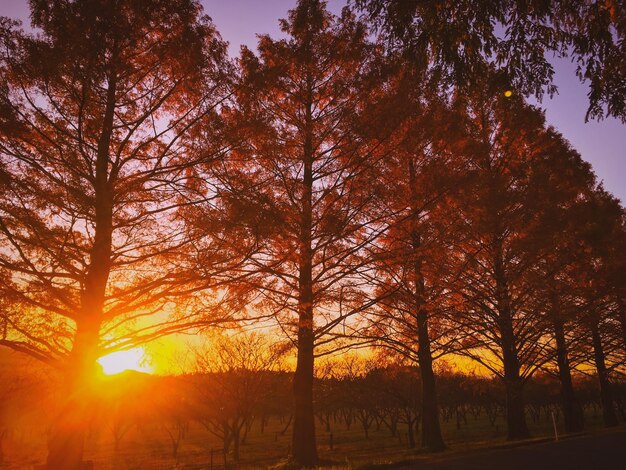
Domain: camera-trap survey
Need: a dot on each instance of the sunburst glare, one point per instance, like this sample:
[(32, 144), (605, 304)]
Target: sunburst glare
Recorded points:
[(120, 361)]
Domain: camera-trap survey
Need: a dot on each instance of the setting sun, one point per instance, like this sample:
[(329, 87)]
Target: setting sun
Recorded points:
[(120, 361), (310, 233)]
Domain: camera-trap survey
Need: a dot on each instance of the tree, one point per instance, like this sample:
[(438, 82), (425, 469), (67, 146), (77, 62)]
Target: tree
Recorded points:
[(419, 172), (302, 96), (233, 378), (506, 210), (461, 38), (615, 269), (560, 313), (399, 387), (96, 110), (601, 219), (22, 380), (562, 182), (568, 273)]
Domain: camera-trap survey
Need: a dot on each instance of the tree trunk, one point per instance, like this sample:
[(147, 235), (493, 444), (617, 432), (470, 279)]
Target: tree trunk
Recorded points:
[(572, 411), (66, 441), (304, 445), (227, 436), (66, 445), (622, 319), (515, 415), (393, 426), (410, 437), (431, 431), (606, 396), (236, 441), (3, 433)]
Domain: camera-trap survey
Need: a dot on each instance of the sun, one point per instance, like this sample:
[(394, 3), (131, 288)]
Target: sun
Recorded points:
[(120, 361)]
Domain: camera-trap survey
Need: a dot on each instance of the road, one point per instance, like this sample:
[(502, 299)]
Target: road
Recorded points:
[(597, 452)]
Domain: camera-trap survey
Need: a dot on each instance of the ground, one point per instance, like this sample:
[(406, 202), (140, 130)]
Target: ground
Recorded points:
[(606, 450), (471, 446)]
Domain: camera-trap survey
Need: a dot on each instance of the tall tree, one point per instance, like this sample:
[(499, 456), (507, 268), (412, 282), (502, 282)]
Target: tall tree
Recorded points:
[(461, 37), (504, 224), (615, 270), (302, 96), (601, 219), (560, 314), (418, 172), (562, 182), (95, 110)]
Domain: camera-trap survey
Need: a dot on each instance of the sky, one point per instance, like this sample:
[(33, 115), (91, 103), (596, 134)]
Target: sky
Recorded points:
[(601, 143)]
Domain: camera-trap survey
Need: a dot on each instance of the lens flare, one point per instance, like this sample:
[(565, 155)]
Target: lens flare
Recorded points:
[(120, 361)]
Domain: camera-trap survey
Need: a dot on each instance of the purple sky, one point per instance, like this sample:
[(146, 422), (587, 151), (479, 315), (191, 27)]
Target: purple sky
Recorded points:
[(603, 143)]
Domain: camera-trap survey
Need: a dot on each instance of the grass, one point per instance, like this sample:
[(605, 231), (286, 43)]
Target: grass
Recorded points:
[(148, 446)]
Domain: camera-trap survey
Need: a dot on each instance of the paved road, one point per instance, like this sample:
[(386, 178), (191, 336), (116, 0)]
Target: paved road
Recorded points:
[(599, 452)]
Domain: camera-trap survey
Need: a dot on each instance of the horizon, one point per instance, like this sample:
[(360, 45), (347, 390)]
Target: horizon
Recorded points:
[(347, 253)]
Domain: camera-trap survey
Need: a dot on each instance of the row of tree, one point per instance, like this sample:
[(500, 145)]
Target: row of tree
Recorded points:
[(239, 390), (234, 404), (351, 191)]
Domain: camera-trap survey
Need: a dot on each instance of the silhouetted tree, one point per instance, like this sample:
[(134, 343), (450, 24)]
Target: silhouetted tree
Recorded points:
[(505, 218), (302, 97), (233, 378), (420, 169), (562, 183), (462, 38), (601, 219), (96, 107)]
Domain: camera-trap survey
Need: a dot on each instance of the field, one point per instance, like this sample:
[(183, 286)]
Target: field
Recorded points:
[(150, 445)]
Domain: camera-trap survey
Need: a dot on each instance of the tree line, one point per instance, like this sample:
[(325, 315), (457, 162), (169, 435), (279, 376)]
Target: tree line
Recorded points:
[(238, 390), (368, 180)]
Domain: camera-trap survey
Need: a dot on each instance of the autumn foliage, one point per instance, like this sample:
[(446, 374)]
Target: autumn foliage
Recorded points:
[(365, 182)]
